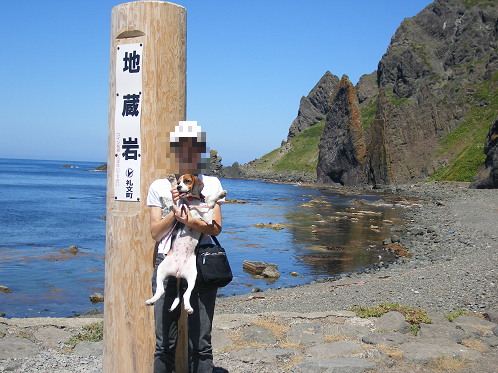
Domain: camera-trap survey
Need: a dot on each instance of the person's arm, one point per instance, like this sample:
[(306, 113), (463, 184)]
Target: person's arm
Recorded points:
[(159, 226), (213, 229)]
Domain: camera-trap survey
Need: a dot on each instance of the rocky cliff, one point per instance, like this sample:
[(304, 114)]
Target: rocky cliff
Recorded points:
[(425, 113), (313, 108), (429, 77)]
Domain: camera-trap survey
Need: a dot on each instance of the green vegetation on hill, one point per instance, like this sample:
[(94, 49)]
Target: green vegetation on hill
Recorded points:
[(302, 157), (468, 139), (369, 111)]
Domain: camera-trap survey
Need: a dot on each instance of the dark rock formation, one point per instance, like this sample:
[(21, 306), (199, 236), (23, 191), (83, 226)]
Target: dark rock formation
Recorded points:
[(102, 167), (215, 166), (367, 87), (426, 76), (313, 108), (487, 177), (342, 151)]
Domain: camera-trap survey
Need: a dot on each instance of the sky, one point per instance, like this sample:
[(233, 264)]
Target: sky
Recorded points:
[(248, 65)]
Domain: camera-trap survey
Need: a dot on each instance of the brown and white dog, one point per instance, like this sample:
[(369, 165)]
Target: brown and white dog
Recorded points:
[(181, 259)]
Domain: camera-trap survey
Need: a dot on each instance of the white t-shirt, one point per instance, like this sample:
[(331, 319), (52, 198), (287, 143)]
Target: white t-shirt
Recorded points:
[(160, 196)]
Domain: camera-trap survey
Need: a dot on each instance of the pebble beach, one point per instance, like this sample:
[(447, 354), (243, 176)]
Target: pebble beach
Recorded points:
[(451, 236)]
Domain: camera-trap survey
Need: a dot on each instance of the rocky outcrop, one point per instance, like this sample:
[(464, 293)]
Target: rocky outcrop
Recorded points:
[(428, 76), (342, 151), (487, 176), (215, 166), (313, 108)]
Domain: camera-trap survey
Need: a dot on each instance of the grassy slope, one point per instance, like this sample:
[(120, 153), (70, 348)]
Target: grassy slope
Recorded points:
[(469, 137), (302, 157)]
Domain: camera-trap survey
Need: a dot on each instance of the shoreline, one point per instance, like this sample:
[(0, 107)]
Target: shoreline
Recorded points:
[(454, 232)]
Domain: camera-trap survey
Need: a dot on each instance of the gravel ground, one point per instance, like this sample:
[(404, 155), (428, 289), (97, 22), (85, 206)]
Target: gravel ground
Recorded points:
[(452, 237)]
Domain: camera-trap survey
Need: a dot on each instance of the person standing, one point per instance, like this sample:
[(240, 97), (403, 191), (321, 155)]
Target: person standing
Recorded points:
[(188, 144)]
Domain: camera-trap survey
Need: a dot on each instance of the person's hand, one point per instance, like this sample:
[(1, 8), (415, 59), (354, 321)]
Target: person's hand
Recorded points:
[(175, 195)]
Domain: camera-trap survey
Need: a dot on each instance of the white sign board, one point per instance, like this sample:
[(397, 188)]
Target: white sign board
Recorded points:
[(127, 115)]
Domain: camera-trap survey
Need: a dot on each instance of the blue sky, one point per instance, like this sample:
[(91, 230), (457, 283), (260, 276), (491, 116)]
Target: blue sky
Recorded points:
[(248, 64)]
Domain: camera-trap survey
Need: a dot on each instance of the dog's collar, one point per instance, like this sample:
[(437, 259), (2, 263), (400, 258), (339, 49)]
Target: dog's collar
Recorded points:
[(201, 198)]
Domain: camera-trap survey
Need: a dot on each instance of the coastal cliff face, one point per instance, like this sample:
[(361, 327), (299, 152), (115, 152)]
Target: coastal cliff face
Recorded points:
[(438, 69), (342, 150), (313, 108), (424, 114), (429, 76)]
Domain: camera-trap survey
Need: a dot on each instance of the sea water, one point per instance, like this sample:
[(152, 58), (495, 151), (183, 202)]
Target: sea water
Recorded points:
[(48, 206)]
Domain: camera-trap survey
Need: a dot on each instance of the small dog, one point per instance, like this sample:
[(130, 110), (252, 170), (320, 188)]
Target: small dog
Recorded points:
[(181, 259)]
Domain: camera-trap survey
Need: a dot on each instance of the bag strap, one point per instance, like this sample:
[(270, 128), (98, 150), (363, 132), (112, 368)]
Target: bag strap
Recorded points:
[(216, 240), (200, 239)]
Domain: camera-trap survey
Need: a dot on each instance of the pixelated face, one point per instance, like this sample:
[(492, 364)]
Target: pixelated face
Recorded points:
[(188, 153), (179, 157)]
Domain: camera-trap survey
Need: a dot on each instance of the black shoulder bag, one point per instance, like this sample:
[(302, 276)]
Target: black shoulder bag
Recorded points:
[(213, 268)]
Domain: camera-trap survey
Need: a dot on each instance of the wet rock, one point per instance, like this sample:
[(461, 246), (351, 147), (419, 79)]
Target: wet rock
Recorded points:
[(73, 249), (102, 167), (270, 272), (96, 298), (5, 289)]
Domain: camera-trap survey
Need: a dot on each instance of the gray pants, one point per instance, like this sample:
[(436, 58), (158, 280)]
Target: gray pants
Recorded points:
[(199, 326)]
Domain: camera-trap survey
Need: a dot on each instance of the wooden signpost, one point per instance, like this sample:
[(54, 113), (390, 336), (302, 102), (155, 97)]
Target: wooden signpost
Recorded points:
[(147, 38)]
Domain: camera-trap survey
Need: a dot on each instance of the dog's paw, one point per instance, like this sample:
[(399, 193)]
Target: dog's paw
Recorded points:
[(149, 302), (189, 310)]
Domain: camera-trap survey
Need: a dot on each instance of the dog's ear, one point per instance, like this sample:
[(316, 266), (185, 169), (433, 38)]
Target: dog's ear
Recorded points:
[(198, 185)]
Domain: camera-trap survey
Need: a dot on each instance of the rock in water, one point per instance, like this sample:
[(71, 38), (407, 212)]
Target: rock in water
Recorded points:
[(342, 150), (313, 108), (96, 298), (487, 176), (5, 289)]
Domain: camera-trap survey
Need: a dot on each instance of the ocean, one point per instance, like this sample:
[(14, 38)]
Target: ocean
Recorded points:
[(48, 207)]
